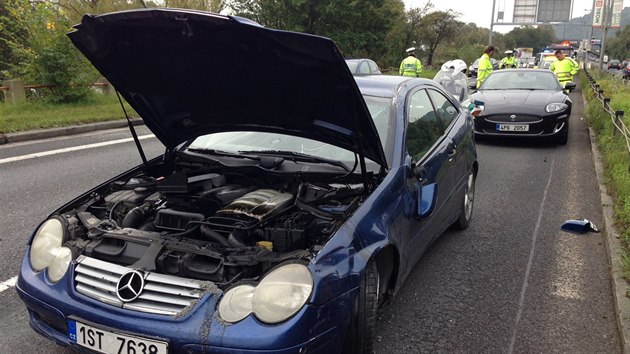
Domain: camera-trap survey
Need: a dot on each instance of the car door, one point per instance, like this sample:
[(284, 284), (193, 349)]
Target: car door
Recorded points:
[(456, 140), (428, 158)]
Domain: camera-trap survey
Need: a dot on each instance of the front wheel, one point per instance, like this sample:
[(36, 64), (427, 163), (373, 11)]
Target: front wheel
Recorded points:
[(360, 335), (467, 203)]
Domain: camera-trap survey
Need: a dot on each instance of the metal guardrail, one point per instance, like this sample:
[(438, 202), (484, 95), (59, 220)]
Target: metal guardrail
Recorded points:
[(616, 116)]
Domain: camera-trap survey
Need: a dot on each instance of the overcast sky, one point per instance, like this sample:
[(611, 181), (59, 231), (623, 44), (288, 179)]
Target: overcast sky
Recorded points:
[(480, 11)]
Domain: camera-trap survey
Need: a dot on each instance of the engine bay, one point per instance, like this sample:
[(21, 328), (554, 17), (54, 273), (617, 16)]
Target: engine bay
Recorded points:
[(212, 224)]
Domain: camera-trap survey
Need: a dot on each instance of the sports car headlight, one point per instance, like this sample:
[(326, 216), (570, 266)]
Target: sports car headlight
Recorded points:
[(47, 250), (278, 296), (555, 107)]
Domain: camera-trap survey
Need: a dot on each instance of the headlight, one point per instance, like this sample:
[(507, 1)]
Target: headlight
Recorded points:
[(555, 107), (236, 303), (47, 252), (278, 296)]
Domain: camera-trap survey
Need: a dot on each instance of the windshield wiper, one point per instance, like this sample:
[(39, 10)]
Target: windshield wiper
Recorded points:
[(264, 161), (297, 156)]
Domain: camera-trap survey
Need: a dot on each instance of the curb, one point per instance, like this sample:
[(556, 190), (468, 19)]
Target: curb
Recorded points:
[(613, 248), (70, 130)]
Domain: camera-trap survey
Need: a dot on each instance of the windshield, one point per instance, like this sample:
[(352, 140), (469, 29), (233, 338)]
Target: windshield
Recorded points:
[(521, 80), (237, 141)]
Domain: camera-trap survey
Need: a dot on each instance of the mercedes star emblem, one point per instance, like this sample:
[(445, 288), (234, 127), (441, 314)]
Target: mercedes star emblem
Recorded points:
[(130, 286), (513, 117)]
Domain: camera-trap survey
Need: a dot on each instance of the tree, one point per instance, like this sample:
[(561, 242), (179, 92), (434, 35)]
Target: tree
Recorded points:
[(532, 37), (619, 46), (359, 27), (436, 28), (13, 35)]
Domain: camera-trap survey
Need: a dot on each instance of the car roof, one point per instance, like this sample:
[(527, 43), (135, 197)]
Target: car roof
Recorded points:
[(388, 85)]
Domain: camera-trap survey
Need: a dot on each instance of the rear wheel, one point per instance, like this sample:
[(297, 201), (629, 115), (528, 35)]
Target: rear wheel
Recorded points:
[(467, 203), (360, 334)]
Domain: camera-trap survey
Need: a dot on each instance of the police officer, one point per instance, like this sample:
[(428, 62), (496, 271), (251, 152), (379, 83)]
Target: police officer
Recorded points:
[(564, 67), (485, 65), (410, 66), (508, 61)]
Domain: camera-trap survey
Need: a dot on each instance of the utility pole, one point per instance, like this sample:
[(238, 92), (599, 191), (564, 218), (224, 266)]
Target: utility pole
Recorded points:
[(494, 2), (608, 4)]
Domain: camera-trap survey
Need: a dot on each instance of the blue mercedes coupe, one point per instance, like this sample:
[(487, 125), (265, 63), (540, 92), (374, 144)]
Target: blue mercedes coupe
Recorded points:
[(290, 202)]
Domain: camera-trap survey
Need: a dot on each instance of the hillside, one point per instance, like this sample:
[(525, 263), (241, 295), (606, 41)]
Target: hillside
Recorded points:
[(578, 28)]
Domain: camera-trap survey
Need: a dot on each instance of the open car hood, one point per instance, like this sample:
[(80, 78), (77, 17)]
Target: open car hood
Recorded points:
[(190, 73)]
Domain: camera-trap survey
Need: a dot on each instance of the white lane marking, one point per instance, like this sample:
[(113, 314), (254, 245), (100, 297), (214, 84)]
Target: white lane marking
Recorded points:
[(530, 261), (8, 284), (74, 148)]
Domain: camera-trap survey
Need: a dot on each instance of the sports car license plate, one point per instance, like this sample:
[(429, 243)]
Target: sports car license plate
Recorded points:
[(105, 341), (512, 127)]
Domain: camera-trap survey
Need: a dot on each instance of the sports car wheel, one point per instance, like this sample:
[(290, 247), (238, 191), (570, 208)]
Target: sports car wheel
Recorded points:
[(467, 203), (562, 138), (360, 335)]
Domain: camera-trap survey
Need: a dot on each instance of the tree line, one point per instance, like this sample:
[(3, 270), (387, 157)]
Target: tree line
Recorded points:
[(33, 45)]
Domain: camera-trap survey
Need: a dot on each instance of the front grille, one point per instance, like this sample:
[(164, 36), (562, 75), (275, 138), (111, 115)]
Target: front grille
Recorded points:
[(162, 294)]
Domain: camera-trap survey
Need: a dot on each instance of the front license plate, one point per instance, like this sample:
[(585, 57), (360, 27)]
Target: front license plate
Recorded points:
[(105, 341), (512, 127)]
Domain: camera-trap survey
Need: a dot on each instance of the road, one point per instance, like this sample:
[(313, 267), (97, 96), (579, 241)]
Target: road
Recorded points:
[(511, 283)]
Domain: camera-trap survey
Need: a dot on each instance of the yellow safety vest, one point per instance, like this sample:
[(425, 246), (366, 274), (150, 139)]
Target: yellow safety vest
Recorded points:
[(485, 68), (410, 66), (564, 69)]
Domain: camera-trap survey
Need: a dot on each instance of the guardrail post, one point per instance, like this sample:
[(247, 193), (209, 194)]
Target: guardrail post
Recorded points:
[(16, 92), (618, 118)]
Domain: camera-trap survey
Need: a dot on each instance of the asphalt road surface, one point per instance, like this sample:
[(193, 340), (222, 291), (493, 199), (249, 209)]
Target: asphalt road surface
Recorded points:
[(511, 283)]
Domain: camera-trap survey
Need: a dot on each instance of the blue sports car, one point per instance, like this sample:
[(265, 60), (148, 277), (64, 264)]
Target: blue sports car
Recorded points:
[(290, 201)]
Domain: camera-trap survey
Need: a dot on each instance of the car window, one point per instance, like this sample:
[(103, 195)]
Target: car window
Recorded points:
[(423, 129), (446, 111), (373, 67), (352, 65)]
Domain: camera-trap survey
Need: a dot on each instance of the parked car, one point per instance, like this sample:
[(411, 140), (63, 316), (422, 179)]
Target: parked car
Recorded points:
[(614, 64), (362, 67), (523, 102), (290, 201), (474, 67)]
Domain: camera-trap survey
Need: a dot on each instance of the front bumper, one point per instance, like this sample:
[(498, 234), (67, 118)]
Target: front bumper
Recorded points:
[(312, 329), (546, 126)]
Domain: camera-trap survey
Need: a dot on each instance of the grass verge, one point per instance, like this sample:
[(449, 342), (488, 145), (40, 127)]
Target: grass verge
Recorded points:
[(39, 115), (616, 158)]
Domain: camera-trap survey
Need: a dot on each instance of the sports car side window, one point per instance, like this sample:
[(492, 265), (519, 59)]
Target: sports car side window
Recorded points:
[(424, 128), (445, 109)]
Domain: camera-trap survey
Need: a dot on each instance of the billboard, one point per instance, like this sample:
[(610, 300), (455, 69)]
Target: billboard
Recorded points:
[(615, 20), (554, 10), (525, 11), (598, 13)]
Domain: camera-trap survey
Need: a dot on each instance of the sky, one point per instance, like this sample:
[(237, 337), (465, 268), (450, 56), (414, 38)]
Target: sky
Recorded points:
[(480, 11)]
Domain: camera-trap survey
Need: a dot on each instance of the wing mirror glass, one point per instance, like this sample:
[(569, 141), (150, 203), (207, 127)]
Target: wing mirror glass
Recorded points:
[(426, 200), (569, 86), (578, 226)]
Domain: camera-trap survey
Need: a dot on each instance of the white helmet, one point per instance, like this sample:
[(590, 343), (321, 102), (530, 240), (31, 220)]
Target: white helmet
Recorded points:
[(457, 65)]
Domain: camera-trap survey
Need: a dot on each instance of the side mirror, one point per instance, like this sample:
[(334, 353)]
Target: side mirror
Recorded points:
[(578, 226), (569, 85), (472, 85), (426, 200)]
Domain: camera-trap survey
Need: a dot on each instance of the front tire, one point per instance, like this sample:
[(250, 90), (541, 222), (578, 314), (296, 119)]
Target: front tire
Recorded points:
[(563, 138), (360, 335), (467, 203)]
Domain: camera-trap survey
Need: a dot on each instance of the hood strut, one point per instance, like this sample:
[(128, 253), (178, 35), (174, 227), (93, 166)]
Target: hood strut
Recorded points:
[(133, 132)]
